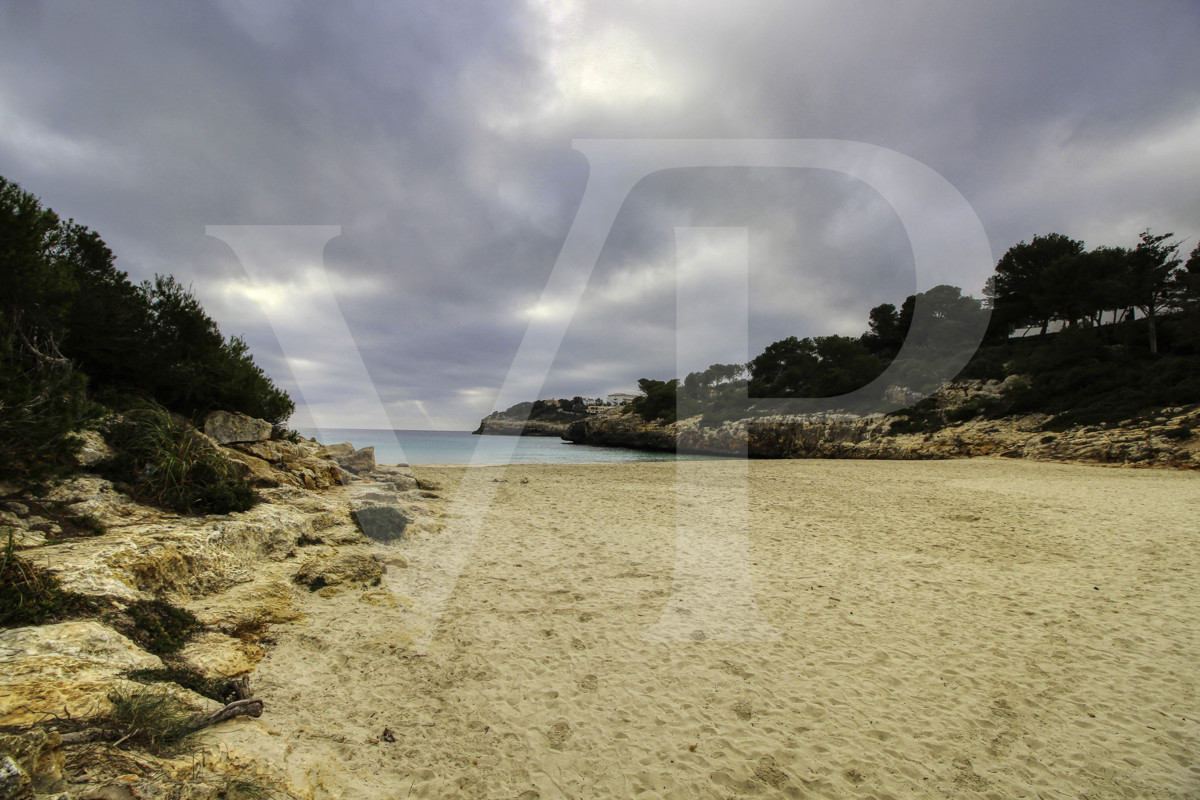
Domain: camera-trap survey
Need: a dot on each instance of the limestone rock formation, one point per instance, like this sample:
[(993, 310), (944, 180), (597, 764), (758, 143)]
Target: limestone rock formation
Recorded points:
[(93, 450), (335, 451), (217, 655), (399, 478), (227, 427), (248, 609), (1167, 440), (237, 573), (279, 463), (71, 665), (622, 430), (514, 427), (329, 567), (359, 461)]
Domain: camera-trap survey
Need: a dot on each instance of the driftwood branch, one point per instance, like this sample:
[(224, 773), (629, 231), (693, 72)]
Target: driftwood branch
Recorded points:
[(238, 708)]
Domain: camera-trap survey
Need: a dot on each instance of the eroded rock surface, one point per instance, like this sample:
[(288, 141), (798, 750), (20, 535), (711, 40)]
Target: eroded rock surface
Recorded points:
[(240, 574), (1168, 440), (226, 427), (69, 667)]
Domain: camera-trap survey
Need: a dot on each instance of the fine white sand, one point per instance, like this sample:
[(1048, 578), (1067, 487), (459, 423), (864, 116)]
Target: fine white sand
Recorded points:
[(981, 628)]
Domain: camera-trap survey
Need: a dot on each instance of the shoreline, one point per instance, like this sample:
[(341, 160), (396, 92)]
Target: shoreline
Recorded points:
[(669, 629)]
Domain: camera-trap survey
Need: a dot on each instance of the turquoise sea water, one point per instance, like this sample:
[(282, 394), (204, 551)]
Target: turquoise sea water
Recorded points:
[(460, 447)]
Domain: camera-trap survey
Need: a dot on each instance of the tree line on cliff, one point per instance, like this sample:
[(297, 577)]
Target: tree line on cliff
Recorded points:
[(75, 332), (1128, 340)]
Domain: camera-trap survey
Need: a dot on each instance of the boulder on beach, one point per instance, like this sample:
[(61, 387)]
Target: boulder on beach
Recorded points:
[(360, 461), (227, 427)]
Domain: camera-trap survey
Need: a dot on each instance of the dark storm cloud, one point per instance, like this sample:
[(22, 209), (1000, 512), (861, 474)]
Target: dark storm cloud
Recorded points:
[(438, 137)]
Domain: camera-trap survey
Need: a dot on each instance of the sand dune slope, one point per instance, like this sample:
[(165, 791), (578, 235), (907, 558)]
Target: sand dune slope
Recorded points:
[(978, 628)]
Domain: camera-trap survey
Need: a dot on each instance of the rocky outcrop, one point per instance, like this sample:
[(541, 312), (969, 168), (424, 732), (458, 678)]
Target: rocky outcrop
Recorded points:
[(1167, 440), (399, 479), (217, 655), (328, 567), (239, 574), (275, 463), (514, 427), (248, 609), (93, 449), (623, 430), (360, 461), (71, 665), (1152, 443), (227, 427)]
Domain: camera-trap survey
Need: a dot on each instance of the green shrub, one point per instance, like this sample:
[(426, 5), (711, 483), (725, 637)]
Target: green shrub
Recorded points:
[(42, 403), (61, 284), (281, 434), (191, 368), (976, 406), (156, 721), (920, 417), (381, 523), (160, 627), (657, 402), (164, 461), (30, 596)]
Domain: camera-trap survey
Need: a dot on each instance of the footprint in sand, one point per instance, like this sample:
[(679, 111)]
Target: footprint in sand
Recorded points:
[(589, 683), (768, 773), (559, 733), (743, 710)]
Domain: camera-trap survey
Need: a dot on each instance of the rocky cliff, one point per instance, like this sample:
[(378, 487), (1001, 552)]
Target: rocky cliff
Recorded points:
[(1168, 439), (499, 426), (236, 575)]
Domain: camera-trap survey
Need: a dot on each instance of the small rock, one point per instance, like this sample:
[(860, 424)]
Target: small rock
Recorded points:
[(93, 451), (360, 462), (336, 451), (382, 523), (354, 567)]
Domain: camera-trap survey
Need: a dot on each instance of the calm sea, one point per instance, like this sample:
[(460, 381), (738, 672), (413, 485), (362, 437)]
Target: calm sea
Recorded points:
[(460, 447)]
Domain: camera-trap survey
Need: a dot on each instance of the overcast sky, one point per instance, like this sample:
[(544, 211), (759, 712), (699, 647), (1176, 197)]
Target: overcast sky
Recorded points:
[(438, 136)]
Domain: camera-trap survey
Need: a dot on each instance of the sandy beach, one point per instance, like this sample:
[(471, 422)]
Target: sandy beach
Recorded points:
[(983, 628)]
